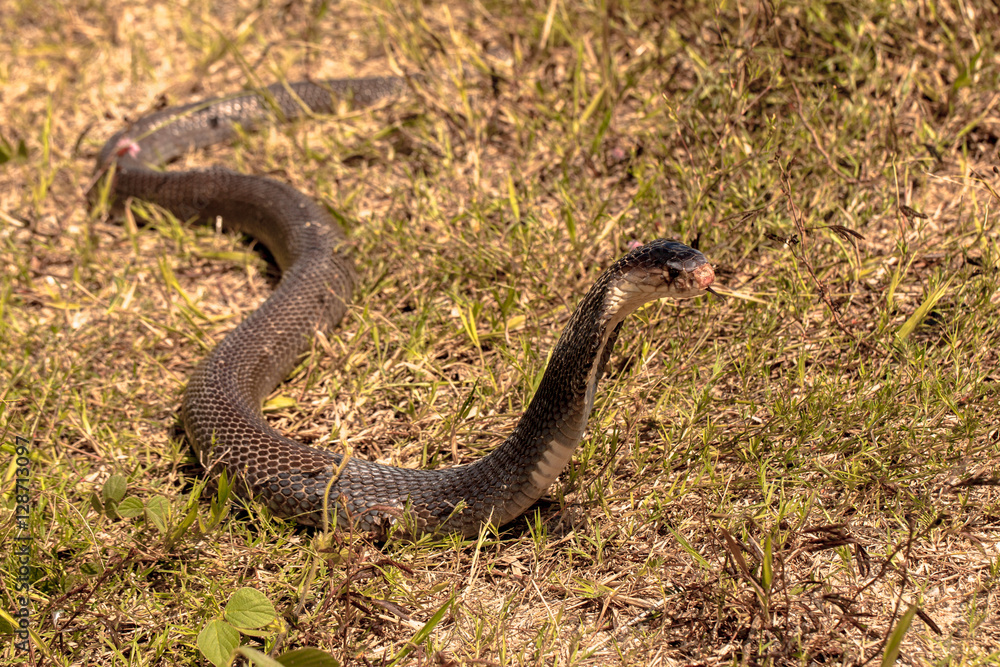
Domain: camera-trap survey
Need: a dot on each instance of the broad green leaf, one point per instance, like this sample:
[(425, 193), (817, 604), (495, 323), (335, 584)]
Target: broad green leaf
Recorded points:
[(217, 642), (307, 657), (158, 511), (249, 608), (300, 657), (114, 488), (131, 507), (97, 503)]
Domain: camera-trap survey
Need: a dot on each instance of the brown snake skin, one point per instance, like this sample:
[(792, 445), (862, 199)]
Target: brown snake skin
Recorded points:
[(221, 406)]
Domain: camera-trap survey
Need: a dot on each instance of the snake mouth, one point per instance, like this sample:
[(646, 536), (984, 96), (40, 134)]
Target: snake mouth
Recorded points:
[(703, 276), (689, 282)]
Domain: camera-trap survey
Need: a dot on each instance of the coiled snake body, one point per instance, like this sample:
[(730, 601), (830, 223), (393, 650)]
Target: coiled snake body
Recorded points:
[(221, 405)]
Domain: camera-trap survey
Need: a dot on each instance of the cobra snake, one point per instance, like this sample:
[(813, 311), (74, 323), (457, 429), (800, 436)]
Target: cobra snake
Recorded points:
[(221, 407)]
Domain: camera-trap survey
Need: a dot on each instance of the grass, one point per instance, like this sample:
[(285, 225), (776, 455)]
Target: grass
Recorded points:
[(777, 478)]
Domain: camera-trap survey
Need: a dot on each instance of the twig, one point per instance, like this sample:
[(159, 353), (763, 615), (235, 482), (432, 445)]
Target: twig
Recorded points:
[(798, 219)]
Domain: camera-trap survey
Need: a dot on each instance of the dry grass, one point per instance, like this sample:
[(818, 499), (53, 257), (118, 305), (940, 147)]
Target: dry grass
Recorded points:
[(772, 479)]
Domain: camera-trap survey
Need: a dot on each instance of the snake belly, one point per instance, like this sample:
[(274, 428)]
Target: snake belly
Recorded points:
[(221, 407)]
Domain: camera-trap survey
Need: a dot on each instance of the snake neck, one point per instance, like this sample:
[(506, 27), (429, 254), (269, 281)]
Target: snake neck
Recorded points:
[(555, 420)]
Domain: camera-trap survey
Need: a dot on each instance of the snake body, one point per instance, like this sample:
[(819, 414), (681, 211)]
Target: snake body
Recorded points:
[(221, 406)]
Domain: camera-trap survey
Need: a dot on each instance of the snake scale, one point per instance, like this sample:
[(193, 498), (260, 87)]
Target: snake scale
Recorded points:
[(221, 408)]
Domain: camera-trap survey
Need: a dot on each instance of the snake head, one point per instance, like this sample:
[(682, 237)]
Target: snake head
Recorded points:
[(658, 269), (672, 269)]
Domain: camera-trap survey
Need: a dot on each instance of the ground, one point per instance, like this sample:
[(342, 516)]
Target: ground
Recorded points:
[(804, 472)]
